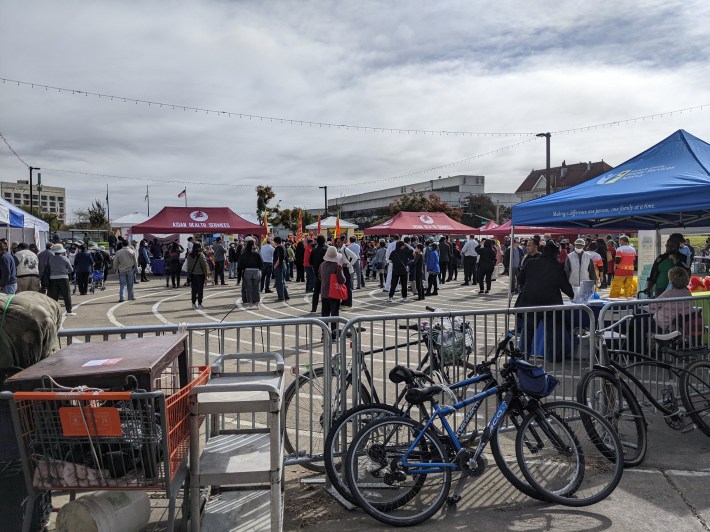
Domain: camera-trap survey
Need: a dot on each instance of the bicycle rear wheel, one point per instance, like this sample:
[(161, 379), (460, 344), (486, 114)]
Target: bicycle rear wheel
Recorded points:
[(695, 393), (568, 464), (342, 432), (386, 488), (599, 390), (303, 407)]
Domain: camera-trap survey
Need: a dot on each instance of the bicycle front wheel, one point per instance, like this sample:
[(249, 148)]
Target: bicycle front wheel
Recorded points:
[(394, 480), (303, 408), (695, 393), (342, 432), (567, 463), (602, 392)]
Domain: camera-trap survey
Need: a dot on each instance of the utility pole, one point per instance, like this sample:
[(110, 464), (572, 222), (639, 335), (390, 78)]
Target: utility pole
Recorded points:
[(547, 171), (325, 189), (32, 201)]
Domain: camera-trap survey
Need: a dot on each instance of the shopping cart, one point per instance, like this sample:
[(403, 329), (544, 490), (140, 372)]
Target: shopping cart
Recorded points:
[(97, 440)]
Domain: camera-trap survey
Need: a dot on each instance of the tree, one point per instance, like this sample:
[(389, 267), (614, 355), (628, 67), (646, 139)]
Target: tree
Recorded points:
[(92, 218), (288, 218), (420, 202), (264, 194), (480, 208)]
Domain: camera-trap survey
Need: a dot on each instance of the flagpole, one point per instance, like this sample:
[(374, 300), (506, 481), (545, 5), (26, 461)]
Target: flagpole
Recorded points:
[(108, 209), (185, 196), (147, 198)]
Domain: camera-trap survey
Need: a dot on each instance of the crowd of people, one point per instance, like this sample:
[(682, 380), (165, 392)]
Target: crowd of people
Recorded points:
[(415, 266)]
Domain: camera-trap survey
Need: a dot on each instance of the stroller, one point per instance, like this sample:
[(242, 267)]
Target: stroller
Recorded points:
[(97, 281)]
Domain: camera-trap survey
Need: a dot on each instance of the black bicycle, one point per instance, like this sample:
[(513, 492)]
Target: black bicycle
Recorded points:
[(681, 382), (449, 342)]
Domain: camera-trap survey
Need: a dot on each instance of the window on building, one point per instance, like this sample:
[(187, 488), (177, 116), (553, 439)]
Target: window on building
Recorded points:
[(52, 209), (24, 196), (52, 198), (44, 204), (8, 195)]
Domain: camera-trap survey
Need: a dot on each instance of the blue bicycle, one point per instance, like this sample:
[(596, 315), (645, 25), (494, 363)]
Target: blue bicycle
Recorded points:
[(400, 470)]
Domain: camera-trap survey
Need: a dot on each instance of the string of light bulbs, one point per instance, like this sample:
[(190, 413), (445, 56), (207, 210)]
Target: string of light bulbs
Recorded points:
[(262, 118)]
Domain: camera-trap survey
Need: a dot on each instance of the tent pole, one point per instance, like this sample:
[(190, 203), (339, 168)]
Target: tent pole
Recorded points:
[(510, 276)]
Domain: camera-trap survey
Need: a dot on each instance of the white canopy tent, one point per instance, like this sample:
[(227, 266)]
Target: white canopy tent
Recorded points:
[(21, 226), (329, 223)]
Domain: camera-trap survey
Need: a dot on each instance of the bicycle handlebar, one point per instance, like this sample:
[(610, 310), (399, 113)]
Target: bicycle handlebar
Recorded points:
[(614, 325)]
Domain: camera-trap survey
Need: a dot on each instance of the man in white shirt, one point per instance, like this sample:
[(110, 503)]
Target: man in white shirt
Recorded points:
[(267, 255), (390, 248), (470, 257)]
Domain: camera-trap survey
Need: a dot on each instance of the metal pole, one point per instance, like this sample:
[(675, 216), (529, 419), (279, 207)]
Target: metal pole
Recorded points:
[(325, 189), (32, 202)]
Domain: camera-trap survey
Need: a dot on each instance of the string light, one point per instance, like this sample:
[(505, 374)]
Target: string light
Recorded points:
[(280, 120), (13, 151)]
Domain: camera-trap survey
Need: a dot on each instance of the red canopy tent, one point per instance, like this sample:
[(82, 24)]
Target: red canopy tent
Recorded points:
[(198, 220), (485, 229), (420, 223)]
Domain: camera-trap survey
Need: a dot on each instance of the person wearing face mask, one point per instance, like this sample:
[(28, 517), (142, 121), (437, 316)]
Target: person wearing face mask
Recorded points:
[(579, 265)]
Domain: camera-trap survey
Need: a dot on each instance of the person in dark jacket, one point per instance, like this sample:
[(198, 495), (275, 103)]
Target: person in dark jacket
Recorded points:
[(418, 267), (83, 266), (300, 266), (444, 257), (454, 262), (143, 259), (399, 258), (249, 270), (331, 264), (233, 257), (198, 271), (532, 252), (486, 263), (173, 266), (316, 258), (544, 281)]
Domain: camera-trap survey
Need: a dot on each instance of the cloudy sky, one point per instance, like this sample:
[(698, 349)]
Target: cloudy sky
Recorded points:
[(460, 66)]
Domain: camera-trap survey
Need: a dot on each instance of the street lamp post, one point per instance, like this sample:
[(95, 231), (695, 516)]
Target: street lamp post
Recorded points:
[(547, 171), (32, 201), (325, 189)]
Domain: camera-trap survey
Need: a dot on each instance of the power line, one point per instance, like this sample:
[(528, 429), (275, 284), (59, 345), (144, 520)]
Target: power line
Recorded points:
[(13, 151), (261, 118)]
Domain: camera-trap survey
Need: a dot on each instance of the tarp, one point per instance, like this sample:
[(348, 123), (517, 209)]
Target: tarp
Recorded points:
[(197, 220), (329, 223), (666, 186), (420, 223)]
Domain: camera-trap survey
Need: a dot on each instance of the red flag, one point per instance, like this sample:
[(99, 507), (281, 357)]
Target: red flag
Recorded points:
[(299, 231), (337, 226), (318, 228)]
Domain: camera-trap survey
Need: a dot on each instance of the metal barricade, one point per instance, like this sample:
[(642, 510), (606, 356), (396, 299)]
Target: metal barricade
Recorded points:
[(305, 344), (554, 336)]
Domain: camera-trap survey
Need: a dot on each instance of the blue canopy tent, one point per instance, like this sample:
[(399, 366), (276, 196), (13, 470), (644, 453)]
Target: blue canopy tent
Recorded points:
[(666, 186)]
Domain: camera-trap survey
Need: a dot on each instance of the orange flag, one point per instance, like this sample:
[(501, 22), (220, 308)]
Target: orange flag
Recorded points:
[(266, 225), (299, 232), (337, 226)]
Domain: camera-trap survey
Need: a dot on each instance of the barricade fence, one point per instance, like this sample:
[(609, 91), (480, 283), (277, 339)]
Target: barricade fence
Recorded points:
[(322, 384)]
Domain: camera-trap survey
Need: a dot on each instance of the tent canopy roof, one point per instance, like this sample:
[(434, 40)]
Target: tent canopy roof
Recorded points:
[(421, 223), (129, 220), (668, 185), (329, 223), (197, 220), (15, 217)]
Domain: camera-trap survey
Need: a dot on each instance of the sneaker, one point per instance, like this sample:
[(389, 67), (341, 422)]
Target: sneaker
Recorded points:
[(194, 306), (404, 300), (200, 307), (268, 291), (465, 284), (346, 306), (132, 298), (280, 299), (121, 300), (71, 313), (389, 300)]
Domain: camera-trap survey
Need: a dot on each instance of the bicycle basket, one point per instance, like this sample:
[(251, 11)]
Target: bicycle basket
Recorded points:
[(534, 380), (453, 345)]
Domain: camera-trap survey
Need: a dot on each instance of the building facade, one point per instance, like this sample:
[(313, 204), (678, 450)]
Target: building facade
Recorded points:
[(50, 200), (561, 177), (453, 190)]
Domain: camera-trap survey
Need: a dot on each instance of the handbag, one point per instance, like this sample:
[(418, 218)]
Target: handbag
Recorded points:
[(337, 290)]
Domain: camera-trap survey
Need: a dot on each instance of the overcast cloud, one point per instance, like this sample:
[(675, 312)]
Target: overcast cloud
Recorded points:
[(528, 66)]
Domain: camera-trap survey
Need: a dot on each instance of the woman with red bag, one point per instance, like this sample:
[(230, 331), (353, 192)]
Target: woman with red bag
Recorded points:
[(333, 289)]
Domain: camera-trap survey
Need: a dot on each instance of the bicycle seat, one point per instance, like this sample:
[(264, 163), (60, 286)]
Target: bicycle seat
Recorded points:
[(666, 336), (404, 374), (417, 396)]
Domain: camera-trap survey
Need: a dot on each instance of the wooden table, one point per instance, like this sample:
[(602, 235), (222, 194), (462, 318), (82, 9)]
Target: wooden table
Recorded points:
[(107, 364)]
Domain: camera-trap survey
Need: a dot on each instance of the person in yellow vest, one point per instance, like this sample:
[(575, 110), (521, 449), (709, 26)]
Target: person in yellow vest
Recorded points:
[(623, 283)]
